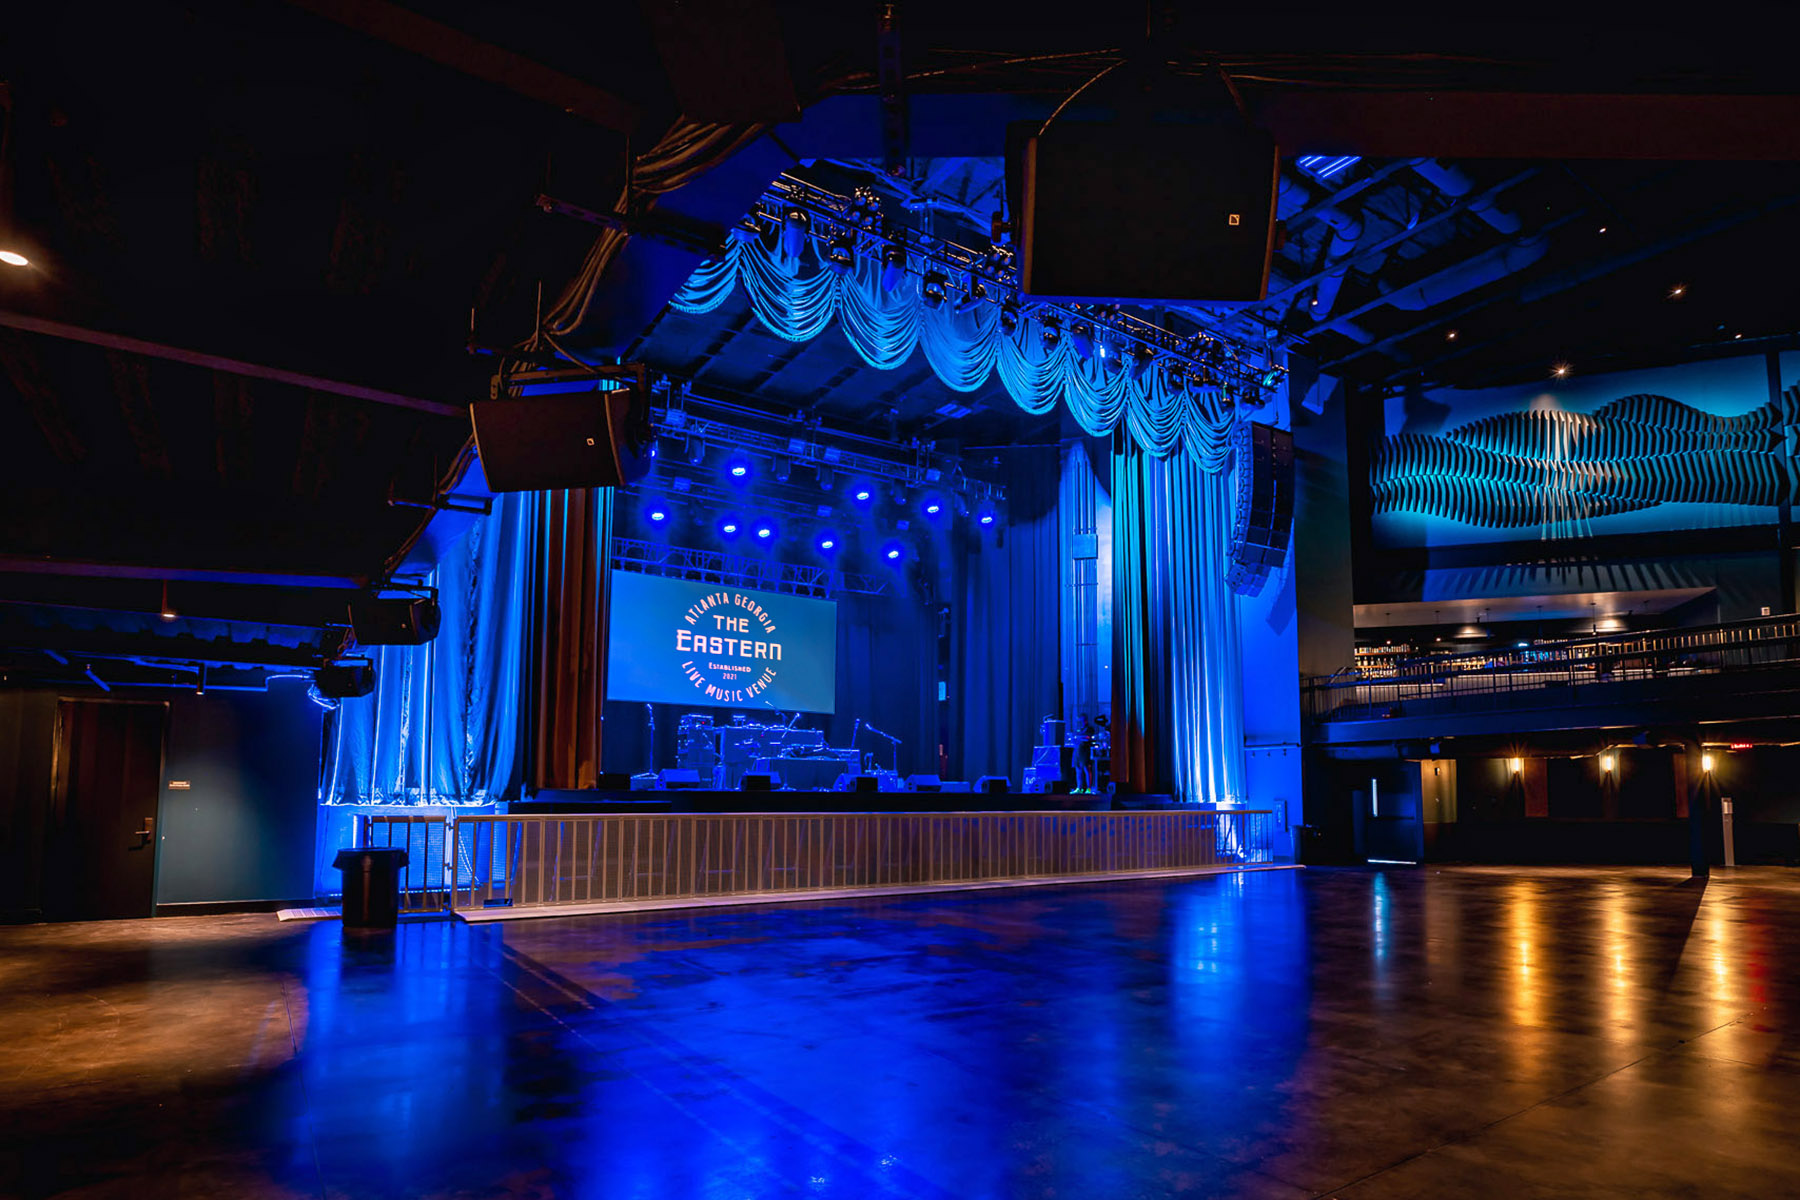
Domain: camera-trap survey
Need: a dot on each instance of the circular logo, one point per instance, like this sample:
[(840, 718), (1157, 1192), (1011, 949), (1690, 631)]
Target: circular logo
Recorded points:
[(728, 647)]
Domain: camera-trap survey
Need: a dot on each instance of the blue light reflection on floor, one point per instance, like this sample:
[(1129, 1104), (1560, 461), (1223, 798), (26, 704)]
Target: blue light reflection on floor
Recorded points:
[(1085, 1042)]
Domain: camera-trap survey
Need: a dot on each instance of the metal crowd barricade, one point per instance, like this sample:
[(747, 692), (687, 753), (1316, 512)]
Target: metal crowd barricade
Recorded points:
[(541, 861), (427, 840)]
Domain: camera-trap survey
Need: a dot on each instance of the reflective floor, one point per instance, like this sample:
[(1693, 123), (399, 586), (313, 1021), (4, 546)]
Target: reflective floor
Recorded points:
[(1414, 1033)]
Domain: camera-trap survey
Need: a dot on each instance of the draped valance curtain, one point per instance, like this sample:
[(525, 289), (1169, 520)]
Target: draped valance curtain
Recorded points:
[(798, 298)]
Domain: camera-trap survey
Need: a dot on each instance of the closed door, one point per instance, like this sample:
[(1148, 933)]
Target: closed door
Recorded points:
[(101, 859)]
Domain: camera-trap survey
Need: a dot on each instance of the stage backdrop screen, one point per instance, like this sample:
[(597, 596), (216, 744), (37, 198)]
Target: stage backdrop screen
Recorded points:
[(678, 642)]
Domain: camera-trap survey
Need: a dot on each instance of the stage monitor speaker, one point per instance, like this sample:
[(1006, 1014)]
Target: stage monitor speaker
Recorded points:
[(990, 784), (867, 783), (342, 681), (394, 620), (680, 778), (564, 440), (757, 781), (924, 783), (1143, 211), (1264, 504), (613, 781)]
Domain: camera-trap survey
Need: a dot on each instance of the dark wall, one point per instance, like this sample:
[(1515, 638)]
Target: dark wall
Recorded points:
[(1323, 580), (27, 733), (244, 827)]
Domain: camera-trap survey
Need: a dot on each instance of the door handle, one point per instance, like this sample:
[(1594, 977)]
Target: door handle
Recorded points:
[(145, 834)]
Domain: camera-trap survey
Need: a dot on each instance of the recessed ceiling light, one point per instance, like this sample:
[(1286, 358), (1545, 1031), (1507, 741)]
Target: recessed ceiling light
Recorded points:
[(1602, 229), (1678, 291), (1561, 370), (1450, 336), (13, 258)]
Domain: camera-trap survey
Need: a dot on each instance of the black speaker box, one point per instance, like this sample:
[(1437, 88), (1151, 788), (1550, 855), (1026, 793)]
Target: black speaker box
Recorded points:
[(564, 440), (867, 783), (1268, 495), (394, 620), (679, 778), (613, 781), (924, 783), (990, 784), (342, 681), (1142, 210), (756, 781)]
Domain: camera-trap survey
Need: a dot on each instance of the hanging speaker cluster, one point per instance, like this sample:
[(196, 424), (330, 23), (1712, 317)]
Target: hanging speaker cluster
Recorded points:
[(552, 429), (1264, 505)]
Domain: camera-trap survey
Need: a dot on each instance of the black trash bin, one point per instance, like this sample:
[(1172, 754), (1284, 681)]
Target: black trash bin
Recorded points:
[(371, 885)]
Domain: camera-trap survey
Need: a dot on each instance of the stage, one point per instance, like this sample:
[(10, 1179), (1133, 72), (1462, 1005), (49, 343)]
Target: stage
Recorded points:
[(676, 800)]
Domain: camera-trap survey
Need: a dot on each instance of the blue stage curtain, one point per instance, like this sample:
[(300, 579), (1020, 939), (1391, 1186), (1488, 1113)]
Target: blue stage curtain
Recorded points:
[(887, 676), (1005, 636), (1178, 718), (797, 298), (442, 726)]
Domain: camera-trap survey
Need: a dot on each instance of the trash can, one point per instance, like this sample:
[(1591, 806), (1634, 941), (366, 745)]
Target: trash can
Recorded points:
[(371, 885)]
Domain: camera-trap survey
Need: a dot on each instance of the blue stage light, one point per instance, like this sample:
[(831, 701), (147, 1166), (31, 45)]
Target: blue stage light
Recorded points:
[(658, 514), (893, 551), (765, 531), (862, 492), (986, 518), (739, 470), (826, 542), (730, 526), (933, 505)]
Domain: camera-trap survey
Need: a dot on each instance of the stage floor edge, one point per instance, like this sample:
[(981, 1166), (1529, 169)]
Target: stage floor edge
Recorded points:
[(482, 916), (676, 800)]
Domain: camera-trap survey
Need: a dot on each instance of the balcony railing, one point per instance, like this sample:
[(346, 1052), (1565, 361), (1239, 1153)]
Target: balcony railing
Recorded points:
[(1543, 672)]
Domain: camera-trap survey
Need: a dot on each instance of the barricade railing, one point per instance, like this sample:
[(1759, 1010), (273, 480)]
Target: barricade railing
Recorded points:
[(531, 861), (427, 839)]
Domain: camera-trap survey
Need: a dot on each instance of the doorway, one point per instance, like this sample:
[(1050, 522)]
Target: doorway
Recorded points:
[(100, 844)]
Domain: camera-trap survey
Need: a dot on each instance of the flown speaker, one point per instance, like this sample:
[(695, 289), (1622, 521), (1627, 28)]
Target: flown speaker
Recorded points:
[(394, 620), (594, 432), (1264, 505), (342, 681), (1142, 210)]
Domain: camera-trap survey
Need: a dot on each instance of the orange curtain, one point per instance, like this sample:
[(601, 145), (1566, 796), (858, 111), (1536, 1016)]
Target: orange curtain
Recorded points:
[(572, 564)]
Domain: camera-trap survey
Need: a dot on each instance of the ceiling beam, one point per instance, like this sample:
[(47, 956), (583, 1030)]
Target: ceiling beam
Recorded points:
[(451, 47), (232, 366)]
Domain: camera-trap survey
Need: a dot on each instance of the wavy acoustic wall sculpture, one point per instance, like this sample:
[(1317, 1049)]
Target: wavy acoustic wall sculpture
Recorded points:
[(1556, 469)]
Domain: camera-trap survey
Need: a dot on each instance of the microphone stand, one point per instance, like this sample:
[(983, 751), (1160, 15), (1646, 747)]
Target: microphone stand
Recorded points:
[(892, 741)]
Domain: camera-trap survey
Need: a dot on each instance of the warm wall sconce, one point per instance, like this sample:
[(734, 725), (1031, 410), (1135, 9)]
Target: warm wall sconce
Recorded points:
[(1706, 762), (1517, 764), (1607, 763)]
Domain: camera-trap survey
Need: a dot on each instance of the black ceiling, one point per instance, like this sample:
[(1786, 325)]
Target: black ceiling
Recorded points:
[(262, 230)]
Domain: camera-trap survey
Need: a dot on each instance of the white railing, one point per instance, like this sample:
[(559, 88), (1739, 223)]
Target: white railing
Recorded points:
[(542, 861)]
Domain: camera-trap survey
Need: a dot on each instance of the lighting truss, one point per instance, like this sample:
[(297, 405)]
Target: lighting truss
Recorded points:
[(1210, 356), (730, 570)]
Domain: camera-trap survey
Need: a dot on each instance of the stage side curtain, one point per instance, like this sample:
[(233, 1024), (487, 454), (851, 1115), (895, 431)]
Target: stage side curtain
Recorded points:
[(572, 575), (887, 675), (1006, 643), (1178, 722), (443, 724)]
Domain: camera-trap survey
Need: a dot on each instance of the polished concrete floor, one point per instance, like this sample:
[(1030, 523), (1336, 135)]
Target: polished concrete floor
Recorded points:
[(1417, 1033)]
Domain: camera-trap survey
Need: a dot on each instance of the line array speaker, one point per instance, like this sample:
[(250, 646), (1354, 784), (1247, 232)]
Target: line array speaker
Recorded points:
[(1264, 505)]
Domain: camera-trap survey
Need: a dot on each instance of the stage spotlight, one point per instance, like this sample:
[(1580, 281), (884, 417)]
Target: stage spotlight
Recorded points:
[(987, 517), (893, 266), (794, 224), (827, 542), (658, 514), (893, 551), (933, 505), (1009, 317), (825, 479), (933, 288), (765, 532), (863, 493), (730, 526), (1050, 331), (781, 468), (1081, 339), (1139, 360), (738, 467), (970, 299), (696, 449), (840, 253)]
